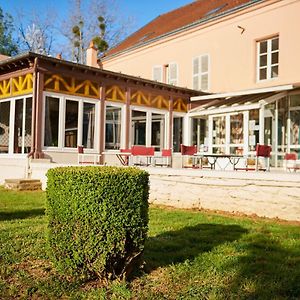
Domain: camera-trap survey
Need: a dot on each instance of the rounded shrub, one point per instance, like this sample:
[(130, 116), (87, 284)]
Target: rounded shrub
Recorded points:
[(97, 219)]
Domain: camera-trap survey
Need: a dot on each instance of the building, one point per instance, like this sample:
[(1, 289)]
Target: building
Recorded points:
[(49, 106), (244, 52)]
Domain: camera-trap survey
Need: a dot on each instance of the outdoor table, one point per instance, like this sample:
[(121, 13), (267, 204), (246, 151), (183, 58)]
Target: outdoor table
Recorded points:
[(212, 159)]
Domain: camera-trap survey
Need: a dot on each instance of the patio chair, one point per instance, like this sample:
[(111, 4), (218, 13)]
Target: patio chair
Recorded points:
[(187, 153), (291, 162), (142, 155), (85, 158), (165, 159), (263, 151)]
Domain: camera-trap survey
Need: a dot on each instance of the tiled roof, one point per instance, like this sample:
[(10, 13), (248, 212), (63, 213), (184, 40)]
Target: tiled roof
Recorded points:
[(3, 57), (197, 11)]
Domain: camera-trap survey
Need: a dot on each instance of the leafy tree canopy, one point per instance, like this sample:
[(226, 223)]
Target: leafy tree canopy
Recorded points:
[(7, 44)]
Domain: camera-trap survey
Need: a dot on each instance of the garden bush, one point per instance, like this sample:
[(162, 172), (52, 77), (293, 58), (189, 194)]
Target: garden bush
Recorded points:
[(97, 220)]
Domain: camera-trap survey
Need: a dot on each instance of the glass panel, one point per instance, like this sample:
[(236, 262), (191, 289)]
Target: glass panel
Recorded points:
[(157, 131), (28, 121), (263, 47), (275, 44), (177, 133), (22, 136), (71, 124), (295, 127), (199, 134), (295, 100), (88, 135), (253, 129), (282, 124), (274, 71), (18, 132), (263, 74), (51, 121), (4, 126), (218, 150), (275, 58), (219, 130), (236, 129), (113, 127), (139, 127), (263, 60)]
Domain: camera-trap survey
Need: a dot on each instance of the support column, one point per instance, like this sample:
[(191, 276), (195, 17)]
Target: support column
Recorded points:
[(262, 125), (170, 129), (102, 123), (38, 153), (127, 119)]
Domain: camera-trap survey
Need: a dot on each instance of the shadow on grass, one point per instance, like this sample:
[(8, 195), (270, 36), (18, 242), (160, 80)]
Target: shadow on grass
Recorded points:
[(267, 270), (187, 243), (21, 214)]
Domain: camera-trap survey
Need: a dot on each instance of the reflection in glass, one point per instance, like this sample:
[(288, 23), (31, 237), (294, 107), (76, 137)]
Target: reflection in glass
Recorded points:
[(113, 127), (51, 121), (88, 134), (157, 131), (139, 127), (4, 126), (177, 133), (71, 124), (22, 130)]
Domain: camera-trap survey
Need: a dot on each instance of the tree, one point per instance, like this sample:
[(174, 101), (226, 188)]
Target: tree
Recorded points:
[(93, 20), (37, 34), (7, 44)]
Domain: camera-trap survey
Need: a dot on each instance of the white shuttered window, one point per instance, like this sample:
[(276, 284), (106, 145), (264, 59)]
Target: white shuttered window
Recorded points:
[(201, 73), (173, 74), (157, 74)]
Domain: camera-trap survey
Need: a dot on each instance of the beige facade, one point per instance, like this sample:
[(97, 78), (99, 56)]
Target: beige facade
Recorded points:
[(231, 43)]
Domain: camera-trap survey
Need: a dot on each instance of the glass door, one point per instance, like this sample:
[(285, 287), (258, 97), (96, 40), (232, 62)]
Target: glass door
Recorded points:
[(22, 125)]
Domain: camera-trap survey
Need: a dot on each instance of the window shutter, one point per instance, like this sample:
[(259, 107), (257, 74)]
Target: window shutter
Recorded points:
[(173, 73), (157, 73), (196, 74), (204, 72)]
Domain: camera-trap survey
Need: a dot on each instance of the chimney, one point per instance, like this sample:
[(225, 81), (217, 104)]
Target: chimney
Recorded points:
[(91, 56), (59, 56)]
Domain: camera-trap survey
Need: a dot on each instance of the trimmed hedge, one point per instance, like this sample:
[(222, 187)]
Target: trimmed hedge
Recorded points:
[(98, 219)]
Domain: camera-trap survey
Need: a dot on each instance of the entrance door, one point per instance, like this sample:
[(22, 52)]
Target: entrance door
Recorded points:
[(270, 131)]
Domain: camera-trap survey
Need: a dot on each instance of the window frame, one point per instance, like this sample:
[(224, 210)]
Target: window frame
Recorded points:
[(269, 53), (61, 122), (169, 81)]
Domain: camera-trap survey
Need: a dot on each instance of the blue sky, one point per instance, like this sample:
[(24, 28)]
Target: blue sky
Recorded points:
[(142, 11)]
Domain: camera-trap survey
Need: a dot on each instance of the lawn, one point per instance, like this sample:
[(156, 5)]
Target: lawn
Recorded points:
[(189, 255)]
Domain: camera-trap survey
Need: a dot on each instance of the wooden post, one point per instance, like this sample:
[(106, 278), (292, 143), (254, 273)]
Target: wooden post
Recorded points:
[(102, 123), (127, 119), (170, 133), (39, 115)]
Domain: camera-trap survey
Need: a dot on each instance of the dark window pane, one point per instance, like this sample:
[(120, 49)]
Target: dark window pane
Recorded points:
[(263, 74), (274, 72), (88, 135), (139, 127), (275, 44), (113, 127), (263, 47), (177, 133), (51, 121), (4, 126), (263, 61), (275, 58), (71, 124)]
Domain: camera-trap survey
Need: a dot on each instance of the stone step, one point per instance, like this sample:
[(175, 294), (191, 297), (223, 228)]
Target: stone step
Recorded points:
[(23, 184)]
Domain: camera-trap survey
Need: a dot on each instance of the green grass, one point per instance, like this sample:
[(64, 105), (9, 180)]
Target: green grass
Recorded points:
[(189, 255)]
